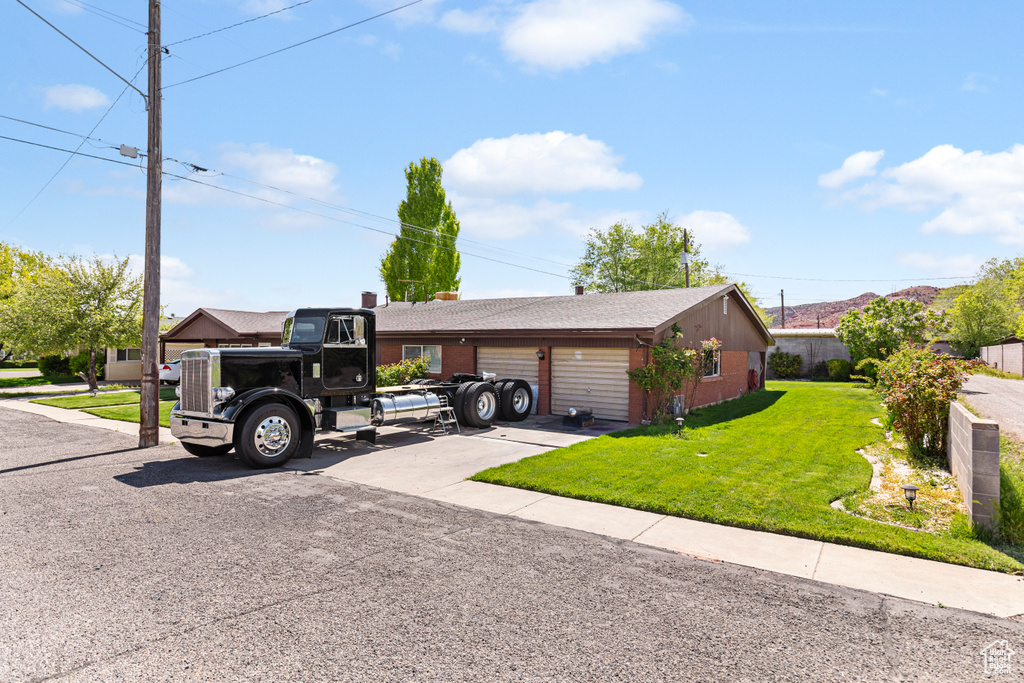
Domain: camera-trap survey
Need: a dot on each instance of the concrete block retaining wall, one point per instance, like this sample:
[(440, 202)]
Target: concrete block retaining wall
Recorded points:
[(973, 453), (1007, 357)]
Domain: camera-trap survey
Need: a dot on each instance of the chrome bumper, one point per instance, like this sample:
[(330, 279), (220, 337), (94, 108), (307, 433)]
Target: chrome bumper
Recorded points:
[(203, 432)]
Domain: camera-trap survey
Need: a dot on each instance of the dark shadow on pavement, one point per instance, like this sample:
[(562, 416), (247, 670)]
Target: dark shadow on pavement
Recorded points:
[(65, 460), (189, 470)]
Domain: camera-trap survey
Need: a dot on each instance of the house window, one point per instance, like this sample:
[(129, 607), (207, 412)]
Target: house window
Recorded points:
[(713, 361), (128, 354), (431, 353)]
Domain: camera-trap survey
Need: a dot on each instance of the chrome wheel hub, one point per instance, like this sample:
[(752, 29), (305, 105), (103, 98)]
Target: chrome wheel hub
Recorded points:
[(272, 436), (520, 400), (485, 406)]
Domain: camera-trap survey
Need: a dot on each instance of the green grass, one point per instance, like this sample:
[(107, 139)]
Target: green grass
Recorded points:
[(19, 365), (119, 398), (131, 413), (771, 461), (6, 382), (992, 372)]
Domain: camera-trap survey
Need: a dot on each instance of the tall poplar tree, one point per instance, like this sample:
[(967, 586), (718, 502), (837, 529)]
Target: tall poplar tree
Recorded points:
[(423, 259)]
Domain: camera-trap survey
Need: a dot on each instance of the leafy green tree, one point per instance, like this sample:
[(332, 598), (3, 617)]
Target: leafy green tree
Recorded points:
[(622, 259), (423, 259), (76, 304), (979, 317), (17, 266), (882, 327)]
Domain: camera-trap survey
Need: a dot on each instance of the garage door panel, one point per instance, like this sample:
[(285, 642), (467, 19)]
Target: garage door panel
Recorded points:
[(518, 363), (594, 378)]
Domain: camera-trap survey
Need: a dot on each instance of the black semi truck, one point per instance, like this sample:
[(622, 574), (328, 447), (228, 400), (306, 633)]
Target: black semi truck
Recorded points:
[(268, 403)]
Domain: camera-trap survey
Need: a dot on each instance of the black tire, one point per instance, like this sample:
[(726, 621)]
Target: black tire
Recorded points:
[(516, 400), (459, 402), (201, 451), (270, 436), (480, 404)]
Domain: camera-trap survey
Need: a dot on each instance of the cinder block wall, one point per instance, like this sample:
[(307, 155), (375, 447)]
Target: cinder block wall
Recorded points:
[(974, 460), (809, 349), (1005, 357)]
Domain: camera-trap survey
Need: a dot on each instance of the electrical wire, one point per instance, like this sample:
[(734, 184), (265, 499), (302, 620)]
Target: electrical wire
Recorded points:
[(289, 47), (241, 23), (102, 13), (58, 130), (73, 153)]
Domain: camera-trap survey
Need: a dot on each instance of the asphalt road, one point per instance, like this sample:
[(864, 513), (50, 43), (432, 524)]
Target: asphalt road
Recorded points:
[(998, 399), (119, 564)]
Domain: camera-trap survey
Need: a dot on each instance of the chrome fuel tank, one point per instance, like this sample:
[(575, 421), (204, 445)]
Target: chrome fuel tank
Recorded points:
[(395, 408)]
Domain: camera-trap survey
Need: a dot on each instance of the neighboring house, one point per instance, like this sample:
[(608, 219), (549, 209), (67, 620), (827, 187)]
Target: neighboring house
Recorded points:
[(1007, 355), (813, 345), (576, 349), (218, 328)]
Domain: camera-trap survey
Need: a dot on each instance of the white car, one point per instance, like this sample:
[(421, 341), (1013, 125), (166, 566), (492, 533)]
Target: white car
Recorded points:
[(171, 372)]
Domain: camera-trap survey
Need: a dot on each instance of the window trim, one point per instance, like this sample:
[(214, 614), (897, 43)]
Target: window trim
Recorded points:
[(430, 370), (126, 359), (716, 370)]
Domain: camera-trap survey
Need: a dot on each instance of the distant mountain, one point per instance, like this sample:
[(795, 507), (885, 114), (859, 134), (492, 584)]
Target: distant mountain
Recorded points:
[(827, 314)]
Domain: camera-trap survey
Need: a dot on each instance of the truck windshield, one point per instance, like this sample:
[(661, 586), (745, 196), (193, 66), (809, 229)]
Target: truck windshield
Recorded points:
[(303, 331)]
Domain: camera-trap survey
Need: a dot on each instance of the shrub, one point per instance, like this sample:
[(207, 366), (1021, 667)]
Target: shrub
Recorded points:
[(820, 370), (402, 372), (917, 386), (80, 364), (785, 365), (839, 370), (54, 366), (1011, 501)]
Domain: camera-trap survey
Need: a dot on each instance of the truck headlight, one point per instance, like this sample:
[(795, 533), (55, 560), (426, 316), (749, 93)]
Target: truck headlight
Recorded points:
[(223, 394)]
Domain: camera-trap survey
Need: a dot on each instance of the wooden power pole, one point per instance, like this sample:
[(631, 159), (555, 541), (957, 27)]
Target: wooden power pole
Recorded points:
[(686, 255), (782, 293), (149, 423)]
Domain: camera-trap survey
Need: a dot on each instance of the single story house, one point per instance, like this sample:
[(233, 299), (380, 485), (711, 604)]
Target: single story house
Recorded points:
[(813, 345), (205, 327), (1007, 355), (576, 349)]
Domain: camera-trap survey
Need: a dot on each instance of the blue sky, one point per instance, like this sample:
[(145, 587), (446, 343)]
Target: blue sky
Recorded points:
[(825, 148)]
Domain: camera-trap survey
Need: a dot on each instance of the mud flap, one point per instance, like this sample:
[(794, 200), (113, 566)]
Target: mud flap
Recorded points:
[(368, 435), (306, 444)]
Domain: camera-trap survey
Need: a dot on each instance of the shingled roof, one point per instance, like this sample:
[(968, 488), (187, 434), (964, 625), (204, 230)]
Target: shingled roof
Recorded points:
[(235, 323), (646, 310)]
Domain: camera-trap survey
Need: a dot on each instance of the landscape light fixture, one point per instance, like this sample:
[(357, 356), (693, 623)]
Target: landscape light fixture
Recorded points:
[(679, 423), (910, 491), (540, 354)]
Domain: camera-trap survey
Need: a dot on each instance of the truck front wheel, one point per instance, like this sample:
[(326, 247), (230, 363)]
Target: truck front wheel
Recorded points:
[(270, 436)]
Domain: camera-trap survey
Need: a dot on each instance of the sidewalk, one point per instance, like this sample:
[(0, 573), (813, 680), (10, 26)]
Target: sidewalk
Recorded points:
[(80, 418)]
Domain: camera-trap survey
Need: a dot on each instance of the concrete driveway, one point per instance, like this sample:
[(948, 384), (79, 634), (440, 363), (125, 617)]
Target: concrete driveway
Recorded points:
[(413, 460)]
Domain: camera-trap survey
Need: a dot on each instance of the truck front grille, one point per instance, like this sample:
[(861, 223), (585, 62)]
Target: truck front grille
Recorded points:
[(196, 382)]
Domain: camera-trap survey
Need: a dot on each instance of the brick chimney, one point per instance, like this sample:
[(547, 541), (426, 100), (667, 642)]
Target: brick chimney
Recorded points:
[(369, 299), (579, 290)]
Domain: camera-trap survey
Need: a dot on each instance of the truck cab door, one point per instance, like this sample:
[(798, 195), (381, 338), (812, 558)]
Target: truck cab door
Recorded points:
[(345, 363)]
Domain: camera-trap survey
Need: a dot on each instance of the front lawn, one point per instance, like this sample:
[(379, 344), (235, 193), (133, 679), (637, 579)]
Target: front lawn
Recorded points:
[(773, 460), (118, 398), (130, 413), (6, 382)]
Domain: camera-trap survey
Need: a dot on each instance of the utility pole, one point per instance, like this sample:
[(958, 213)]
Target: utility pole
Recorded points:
[(686, 255), (149, 410), (782, 293)]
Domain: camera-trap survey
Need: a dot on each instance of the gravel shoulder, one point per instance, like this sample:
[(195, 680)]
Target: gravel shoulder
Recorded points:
[(153, 565), (998, 399)]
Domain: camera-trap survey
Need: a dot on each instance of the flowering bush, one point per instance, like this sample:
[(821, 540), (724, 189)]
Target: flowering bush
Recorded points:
[(674, 370), (917, 386), (402, 372)]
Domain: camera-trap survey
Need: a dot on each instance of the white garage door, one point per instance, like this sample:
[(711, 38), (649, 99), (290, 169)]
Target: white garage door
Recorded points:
[(513, 363), (595, 378)]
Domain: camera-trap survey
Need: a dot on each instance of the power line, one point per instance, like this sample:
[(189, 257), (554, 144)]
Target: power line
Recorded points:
[(97, 59), (56, 130), (102, 13), (247, 21), (59, 149), (283, 49)]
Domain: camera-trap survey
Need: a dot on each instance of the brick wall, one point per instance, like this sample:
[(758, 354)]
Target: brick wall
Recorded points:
[(457, 359), (732, 383), (637, 401), (544, 383), (389, 355)]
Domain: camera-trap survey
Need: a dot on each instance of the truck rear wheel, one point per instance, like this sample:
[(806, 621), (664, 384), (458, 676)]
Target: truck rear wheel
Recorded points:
[(516, 400), (270, 436), (201, 451), (479, 404)]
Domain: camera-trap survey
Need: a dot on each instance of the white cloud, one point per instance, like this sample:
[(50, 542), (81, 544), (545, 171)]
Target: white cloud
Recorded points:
[(178, 289), (555, 162), (75, 97), (487, 219), (859, 165), (978, 82), (963, 265), (570, 34), (715, 230), (977, 193), (479, 21)]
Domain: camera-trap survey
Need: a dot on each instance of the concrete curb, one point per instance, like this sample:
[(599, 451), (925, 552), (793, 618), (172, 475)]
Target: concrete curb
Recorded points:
[(80, 418)]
